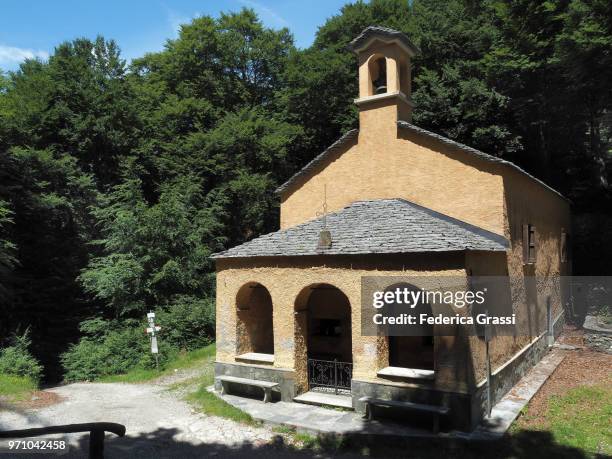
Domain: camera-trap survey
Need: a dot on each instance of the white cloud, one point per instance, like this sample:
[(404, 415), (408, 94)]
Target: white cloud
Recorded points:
[(12, 55), (266, 13)]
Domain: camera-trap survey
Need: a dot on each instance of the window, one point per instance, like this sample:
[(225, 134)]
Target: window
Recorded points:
[(327, 327), (564, 249), (529, 244)]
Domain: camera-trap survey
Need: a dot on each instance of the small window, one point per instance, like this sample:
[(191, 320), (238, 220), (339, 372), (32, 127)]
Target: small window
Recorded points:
[(327, 327), (529, 244), (564, 249)]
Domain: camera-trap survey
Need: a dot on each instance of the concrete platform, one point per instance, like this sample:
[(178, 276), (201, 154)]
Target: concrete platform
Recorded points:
[(256, 357), (318, 420), (509, 407), (323, 398)]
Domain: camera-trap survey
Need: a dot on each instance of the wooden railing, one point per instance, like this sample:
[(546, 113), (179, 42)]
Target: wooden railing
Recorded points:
[(96, 434)]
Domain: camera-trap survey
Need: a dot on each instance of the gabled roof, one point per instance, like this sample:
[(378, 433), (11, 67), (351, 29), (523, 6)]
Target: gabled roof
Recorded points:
[(373, 227), (410, 127), (384, 34)]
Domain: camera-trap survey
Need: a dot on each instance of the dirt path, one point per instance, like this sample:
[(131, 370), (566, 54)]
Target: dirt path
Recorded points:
[(158, 423)]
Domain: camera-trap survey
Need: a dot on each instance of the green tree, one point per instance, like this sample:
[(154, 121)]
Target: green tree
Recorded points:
[(151, 254)]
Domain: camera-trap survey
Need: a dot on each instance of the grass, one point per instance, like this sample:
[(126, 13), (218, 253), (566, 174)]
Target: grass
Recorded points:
[(580, 419), (210, 404), (182, 361), (16, 388)]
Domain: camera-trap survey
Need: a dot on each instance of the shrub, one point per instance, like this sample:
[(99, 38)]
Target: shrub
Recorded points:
[(18, 361), (189, 323), (109, 348)]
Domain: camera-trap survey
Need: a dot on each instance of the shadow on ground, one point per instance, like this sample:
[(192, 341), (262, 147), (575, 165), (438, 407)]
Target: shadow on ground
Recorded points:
[(162, 444)]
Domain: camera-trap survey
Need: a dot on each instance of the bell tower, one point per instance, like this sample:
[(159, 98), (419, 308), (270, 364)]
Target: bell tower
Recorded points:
[(384, 77)]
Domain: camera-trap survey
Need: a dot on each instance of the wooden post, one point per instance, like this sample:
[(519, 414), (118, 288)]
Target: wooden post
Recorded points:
[(488, 358), (96, 444)]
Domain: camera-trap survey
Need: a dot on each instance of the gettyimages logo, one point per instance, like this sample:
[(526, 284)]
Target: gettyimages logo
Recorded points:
[(429, 306), (411, 297)]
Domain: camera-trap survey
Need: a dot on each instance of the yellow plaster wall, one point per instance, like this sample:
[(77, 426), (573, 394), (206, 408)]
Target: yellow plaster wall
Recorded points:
[(529, 202), (530, 286), (286, 278), (382, 165)]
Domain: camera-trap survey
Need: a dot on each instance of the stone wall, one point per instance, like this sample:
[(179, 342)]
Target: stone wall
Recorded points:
[(460, 404), (290, 279), (286, 378), (503, 378)]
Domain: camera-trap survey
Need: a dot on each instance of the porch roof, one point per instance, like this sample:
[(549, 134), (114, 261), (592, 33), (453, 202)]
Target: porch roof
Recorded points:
[(373, 227)]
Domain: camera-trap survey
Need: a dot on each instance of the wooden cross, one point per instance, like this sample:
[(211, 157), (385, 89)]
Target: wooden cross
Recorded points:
[(151, 330)]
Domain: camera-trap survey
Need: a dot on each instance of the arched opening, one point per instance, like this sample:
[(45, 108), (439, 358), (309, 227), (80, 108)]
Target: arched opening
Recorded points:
[(254, 331), (378, 74), (323, 338), (411, 347)]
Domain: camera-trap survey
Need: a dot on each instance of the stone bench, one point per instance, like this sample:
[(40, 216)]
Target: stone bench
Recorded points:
[(267, 386), (435, 410)]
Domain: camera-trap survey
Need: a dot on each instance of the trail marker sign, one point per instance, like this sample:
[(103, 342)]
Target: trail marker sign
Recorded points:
[(151, 330)]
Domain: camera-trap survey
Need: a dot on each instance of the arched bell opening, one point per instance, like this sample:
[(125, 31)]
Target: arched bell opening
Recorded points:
[(377, 67)]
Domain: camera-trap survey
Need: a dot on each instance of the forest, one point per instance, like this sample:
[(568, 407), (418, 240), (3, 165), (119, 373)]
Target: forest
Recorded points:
[(119, 179)]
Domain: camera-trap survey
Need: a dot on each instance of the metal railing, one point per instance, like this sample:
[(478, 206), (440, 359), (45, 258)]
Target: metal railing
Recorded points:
[(96, 434), (330, 373)]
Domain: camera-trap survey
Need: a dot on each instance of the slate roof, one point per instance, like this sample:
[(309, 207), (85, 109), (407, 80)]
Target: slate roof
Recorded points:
[(370, 227), (411, 127), (381, 32)]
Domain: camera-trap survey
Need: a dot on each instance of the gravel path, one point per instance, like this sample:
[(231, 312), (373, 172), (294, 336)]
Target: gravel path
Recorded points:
[(158, 424)]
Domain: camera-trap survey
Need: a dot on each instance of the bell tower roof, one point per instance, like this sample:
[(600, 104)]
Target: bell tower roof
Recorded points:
[(385, 81), (384, 34)]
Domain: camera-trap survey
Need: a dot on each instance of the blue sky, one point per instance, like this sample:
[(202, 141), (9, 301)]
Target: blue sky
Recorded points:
[(30, 28)]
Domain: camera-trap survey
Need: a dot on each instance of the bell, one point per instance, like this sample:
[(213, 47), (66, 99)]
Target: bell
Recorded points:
[(325, 240), (381, 89)]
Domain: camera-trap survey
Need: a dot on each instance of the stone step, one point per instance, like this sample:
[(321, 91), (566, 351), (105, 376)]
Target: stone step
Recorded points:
[(325, 399)]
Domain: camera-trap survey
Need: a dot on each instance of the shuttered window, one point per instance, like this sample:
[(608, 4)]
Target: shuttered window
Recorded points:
[(529, 243), (564, 249)]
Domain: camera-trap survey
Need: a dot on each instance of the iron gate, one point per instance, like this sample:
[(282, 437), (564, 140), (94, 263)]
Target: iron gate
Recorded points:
[(330, 373)]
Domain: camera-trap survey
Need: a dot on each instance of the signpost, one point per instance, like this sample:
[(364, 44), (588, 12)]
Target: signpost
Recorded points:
[(151, 330), (487, 331)]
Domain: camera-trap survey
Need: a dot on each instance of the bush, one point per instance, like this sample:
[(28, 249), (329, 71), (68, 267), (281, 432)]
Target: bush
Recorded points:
[(189, 323), (18, 361), (111, 347)]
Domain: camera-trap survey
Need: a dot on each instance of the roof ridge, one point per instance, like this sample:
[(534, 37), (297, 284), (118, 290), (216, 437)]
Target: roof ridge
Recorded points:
[(360, 40), (434, 213), (343, 221)]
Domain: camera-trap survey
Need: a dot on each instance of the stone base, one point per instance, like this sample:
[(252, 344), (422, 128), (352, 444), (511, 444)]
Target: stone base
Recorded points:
[(285, 377), (466, 409), (460, 404)]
